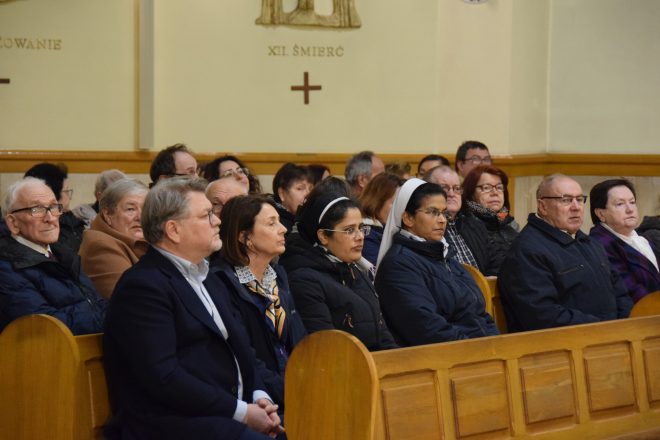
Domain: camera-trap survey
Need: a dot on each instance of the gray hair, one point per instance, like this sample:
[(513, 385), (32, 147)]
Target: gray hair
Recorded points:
[(107, 178), (15, 188), (358, 165), (547, 183), (167, 200), (114, 193), (444, 169)]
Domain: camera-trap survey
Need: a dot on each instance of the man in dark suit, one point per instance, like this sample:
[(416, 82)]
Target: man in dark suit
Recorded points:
[(178, 360)]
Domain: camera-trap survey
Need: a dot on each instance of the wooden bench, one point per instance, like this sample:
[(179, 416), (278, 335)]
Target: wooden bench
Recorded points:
[(592, 381), (649, 305), (489, 290), (52, 384)]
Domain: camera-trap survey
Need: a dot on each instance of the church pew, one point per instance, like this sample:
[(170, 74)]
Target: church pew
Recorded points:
[(647, 306), (483, 285), (498, 309), (52, 384), (594, 381)]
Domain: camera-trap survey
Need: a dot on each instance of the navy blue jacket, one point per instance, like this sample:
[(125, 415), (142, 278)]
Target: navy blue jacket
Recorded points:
[(332, 295), (427, 298), (171, 373), (30, 283), (550, 279), (372, 244), (273, 351)]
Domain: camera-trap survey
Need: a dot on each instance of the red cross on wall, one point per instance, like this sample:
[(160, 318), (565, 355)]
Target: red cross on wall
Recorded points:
[(305, 88)]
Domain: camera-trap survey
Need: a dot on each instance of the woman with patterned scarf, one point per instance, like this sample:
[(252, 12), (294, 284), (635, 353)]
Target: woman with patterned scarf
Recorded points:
[(252, 236), (329, 278), (486, 196)]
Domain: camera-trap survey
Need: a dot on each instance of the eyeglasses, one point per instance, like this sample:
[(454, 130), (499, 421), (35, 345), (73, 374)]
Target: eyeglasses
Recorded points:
[(488, 188), (476, 160), (190, 174), (39, 211), (458, 189), (434, 212), (217, 208), (68, 192), (211, 214), (352, 231), (566, 199), (240, 171)]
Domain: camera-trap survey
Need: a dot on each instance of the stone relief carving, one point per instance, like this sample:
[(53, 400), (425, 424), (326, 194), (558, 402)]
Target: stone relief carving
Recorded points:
[(344, 14)]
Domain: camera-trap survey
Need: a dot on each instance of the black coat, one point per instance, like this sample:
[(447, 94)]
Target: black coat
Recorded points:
[(262, 337), (551, 279), (428, 298), (334, 295), (501, 235), (475, 235)]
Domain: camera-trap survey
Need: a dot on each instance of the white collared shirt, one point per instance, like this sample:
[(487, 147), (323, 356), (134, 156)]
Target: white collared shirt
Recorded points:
[(637, 242), (34, 246)]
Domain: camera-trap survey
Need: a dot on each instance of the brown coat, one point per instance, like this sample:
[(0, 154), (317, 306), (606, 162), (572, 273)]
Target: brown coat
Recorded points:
[(106, 253)]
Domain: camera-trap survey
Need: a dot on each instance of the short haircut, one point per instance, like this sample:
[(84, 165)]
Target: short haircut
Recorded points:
[(212, 172), (316, 172), (237, 217), (547, 182), (400, 169), (472, 179), (463, 149), (167, 200), (442, 159), (444, 169), (378, 191), (332, 184), (599, 195), (422, 192), (358, 165), (163, 164), (107, 178), (9, 203), (118, 190), (287, 175), (53, 174)]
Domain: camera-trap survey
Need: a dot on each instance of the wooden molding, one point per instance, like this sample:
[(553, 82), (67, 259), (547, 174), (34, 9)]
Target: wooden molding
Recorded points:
[(138, 162)]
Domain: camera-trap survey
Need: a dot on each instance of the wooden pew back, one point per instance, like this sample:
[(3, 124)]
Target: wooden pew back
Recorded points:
[(52, 384), (592, 381)]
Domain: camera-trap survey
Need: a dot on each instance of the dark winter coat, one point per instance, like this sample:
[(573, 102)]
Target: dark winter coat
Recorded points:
[(427, 298), (650, 228), (501, 234), (551, 279), (31, 283), (332, 295)]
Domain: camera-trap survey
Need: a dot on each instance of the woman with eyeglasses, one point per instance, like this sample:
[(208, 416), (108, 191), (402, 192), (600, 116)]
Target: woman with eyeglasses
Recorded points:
[(231, 167), (615, 217), (426, 295), (114, 242), (376, 201), (330, 288), (485, 195), (252, 237)]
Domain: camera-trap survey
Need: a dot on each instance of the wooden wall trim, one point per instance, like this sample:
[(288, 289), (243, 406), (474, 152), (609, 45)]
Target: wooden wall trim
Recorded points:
[(17, 161)]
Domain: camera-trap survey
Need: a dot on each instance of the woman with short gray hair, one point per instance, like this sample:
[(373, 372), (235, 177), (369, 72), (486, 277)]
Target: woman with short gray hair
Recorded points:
[(114, 241)]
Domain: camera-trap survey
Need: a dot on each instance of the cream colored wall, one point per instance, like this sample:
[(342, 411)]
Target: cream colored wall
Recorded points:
[(77, 95), (605, 76)]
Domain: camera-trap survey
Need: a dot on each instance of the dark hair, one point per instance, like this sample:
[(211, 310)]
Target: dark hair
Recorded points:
[(332, 184), (377, 192), (600, 193), (212, 172), (236, 218), (471, 180), (316, 172), (422, 192), (286, 176), (463, 149), (309, 213), (442, 159), (52, 174), (163, 164)]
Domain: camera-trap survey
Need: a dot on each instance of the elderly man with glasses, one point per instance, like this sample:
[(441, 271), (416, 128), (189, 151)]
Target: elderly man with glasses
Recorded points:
[(37, 274), (554, 274)]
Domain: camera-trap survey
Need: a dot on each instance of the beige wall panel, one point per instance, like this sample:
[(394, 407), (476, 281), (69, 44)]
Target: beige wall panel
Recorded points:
[(75, 89)]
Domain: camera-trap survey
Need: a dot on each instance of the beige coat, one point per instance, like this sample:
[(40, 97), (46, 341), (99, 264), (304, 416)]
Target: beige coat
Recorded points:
[(106, 253)]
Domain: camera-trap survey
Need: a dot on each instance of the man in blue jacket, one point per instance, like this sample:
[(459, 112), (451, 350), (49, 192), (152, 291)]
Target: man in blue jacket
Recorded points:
[(178, 359), (555, 275), (37, 275)]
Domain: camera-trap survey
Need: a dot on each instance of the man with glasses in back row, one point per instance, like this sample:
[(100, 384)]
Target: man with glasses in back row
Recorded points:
[(554, 274), (38, 275), (176, 160), (470, 155)]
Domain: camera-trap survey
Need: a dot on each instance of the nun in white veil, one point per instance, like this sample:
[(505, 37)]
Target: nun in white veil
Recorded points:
[(426, 295)]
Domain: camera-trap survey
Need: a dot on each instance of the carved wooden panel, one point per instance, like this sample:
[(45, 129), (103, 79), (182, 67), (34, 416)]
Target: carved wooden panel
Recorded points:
[(480, 398), (548, 389), (609, 378), (411, 406), (651, 353)]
